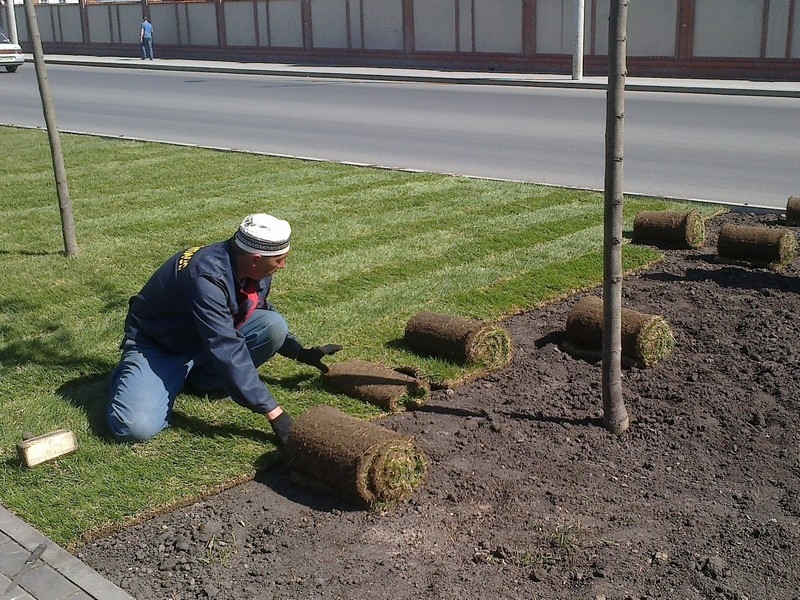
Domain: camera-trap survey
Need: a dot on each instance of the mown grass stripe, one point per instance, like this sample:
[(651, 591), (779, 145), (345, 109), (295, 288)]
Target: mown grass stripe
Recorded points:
[(429, 244), (436, 288)]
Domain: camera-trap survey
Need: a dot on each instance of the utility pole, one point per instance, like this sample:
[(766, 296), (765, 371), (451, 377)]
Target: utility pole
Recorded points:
[(577, 54), (12, 22), (64, 203)]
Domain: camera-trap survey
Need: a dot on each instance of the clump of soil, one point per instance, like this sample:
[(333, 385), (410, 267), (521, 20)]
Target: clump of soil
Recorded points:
[(527, 495)]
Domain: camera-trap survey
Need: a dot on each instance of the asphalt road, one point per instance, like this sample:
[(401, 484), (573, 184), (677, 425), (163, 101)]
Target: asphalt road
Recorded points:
[(734, 149)]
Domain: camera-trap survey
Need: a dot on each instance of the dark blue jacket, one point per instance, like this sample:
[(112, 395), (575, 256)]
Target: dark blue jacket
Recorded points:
[(188, 306)]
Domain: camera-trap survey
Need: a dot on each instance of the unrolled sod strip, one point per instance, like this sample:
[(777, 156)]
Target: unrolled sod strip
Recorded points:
[(758, 245), (459, 339), (357, 460), (669, 229), (646, 339), (378, 385)]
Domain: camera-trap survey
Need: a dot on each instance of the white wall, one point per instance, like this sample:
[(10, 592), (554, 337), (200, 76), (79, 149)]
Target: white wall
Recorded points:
[(329, 19), (652, 27), (555, 26), (71, 27), (383, 24), (498, 26), (167, 28), (778, 28), (465, 39), (239, 29), (285, 23), (796, 33), (435, 25), (202, 25), (728, 28)]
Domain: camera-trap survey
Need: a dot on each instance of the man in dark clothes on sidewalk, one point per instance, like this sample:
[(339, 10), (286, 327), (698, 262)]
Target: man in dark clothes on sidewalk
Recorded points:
[(203, 318)]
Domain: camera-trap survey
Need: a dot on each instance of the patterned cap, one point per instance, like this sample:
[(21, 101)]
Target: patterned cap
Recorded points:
[(263, 234)]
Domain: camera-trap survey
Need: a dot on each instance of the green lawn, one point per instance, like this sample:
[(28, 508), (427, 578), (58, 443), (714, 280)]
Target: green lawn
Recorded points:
[(370, 248)]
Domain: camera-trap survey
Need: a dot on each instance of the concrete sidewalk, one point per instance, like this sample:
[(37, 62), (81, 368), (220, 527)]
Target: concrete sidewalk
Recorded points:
[(790, 89), (56, 575)]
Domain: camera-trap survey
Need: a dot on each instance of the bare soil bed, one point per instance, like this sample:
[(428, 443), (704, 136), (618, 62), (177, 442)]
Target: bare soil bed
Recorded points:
[(527, 495)]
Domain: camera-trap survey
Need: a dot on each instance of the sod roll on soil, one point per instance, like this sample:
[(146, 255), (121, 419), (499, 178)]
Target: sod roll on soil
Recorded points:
[(378, 385), (459, 339), (669, 229), (772, 246), (646, 339), (793, 210), (358, 461)]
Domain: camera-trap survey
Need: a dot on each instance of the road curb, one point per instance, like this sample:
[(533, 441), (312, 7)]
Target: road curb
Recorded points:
[(403, 75)]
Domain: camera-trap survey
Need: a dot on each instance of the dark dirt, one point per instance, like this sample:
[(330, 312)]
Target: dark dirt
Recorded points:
[(527, 495)]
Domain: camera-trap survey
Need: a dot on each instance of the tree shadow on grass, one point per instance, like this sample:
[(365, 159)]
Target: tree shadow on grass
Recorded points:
[(56, 353), (57, 350), (31, 253), (90, 394)]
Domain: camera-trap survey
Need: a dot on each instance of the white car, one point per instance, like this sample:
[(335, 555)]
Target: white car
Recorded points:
[(11, 56)]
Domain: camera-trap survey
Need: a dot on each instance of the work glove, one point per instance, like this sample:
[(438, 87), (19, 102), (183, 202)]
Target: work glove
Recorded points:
[(313, 356), (281, 425)]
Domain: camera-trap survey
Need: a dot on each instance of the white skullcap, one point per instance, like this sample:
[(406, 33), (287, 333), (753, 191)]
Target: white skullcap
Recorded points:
[(263, 234)]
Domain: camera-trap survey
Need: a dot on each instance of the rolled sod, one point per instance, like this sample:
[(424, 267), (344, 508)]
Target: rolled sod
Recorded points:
[(669, 229), (357, 460), (793, 210), (646, 339), (771, 246), (378, 385), (459, 339)]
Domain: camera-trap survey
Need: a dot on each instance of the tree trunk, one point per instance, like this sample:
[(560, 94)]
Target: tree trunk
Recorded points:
[(615, 416), (65, 206)]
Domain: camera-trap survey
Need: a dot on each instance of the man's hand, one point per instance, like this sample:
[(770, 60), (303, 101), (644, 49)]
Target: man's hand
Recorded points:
[(314, 356), (281, 425)]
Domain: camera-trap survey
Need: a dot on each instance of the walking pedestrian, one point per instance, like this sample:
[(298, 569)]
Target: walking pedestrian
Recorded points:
[(146, 38)]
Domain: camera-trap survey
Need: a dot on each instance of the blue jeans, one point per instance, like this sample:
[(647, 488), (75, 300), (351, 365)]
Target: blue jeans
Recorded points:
[(147, 43), (147, 380)]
